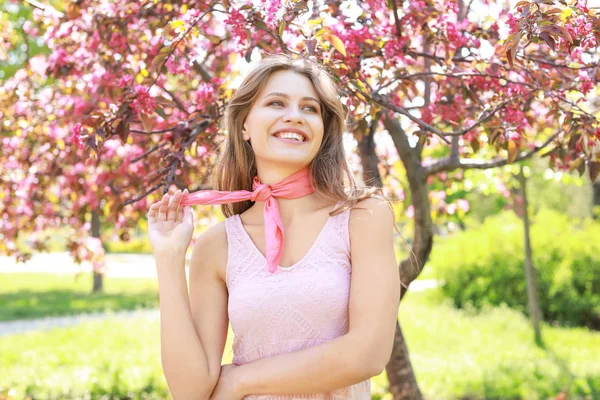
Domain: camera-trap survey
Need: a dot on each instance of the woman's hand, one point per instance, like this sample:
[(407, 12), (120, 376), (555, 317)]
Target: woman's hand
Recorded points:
[(170, 226), (228, 387)]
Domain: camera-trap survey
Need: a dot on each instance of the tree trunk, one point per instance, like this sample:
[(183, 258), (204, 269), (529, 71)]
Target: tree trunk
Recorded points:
[(535, 313), (403, 383), (98, 278), (368, 156), (596, 209), (402, 380)]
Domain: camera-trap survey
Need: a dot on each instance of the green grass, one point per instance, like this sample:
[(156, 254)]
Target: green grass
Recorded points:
[(456, 354), (115, 358), (27, 295), (461, 354)]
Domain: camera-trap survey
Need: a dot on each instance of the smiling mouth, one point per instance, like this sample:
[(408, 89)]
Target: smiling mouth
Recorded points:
[(290, 137)]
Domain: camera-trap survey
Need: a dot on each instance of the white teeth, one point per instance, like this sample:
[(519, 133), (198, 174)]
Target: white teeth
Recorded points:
[(290, 135)]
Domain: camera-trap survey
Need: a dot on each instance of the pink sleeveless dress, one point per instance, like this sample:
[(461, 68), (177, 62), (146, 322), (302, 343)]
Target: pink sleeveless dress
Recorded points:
[(297, 307)]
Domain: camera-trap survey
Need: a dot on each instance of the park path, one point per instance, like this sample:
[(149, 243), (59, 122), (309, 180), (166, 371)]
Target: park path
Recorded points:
[(39, 324), (118, 266)]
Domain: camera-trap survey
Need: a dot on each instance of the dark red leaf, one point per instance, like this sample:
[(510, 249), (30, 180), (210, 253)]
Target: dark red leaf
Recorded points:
[(548, 39), (123, 131), (510, 54)]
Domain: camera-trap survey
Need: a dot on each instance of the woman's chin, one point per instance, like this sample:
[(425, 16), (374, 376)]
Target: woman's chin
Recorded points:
[(284, 156), (277, 151)]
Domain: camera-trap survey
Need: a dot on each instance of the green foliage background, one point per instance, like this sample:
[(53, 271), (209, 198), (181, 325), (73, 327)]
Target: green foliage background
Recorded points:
[(484, 266)]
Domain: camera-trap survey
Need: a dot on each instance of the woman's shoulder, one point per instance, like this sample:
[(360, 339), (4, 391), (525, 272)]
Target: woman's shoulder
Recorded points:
[(374, 203), (372, 210)]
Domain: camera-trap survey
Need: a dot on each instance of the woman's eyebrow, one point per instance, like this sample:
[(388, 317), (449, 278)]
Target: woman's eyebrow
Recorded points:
[(287, 96)]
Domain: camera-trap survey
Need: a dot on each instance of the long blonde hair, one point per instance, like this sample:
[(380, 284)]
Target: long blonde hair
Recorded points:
[(329, 172)]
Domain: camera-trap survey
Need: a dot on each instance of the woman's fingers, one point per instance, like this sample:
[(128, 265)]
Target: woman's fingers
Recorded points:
[(168, 208), (181, 210), (164, 206), (173, 204), (153, 213)]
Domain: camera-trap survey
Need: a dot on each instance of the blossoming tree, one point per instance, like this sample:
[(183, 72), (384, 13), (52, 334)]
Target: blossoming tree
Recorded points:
[(126, 104)]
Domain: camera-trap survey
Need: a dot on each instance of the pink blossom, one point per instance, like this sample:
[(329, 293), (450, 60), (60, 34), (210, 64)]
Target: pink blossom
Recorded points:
[(237, 25), (516, 116), (394, 50), (30, 29), (586, 86), (439, 195), (21, 108), (272, 12), (451, 208), (78, 168), (513, 136), (426, 114), (513, 24), (39, 65), (58, 59), (463, 205), (453, 110), (94, 41), (178, 65), (589, 42), (582, 6), (143, 103), (76, 136), (125, 81), (118, 42), (205, 95), (576, 53)]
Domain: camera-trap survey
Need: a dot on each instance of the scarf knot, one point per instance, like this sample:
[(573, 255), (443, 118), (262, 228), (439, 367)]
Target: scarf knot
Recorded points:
[(260, 191)]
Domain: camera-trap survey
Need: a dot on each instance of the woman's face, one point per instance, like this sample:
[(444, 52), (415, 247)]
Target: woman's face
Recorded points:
[(287, 103)]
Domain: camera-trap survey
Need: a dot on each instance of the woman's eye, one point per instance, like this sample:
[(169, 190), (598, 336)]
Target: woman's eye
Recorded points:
[(313, 108)]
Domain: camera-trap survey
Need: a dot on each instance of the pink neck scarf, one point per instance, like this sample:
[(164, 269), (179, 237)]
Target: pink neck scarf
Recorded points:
[(294, 186)]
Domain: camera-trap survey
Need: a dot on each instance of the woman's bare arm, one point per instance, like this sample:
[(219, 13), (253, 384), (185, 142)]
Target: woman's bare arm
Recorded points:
[(194, 326)]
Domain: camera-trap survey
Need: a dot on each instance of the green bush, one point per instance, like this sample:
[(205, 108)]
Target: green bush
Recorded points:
[(135, 245), (484, 265)]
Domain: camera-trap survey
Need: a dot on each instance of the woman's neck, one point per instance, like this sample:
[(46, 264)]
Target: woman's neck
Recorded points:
[(273, 175), (292, 209)]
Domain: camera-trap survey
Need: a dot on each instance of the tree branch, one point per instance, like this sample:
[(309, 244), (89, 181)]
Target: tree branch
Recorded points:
[(457, 76), (540, 61), (401, 110), (174, 98), (453, 162), (44, 7), (151, 132), (396, 19), (147, 153)]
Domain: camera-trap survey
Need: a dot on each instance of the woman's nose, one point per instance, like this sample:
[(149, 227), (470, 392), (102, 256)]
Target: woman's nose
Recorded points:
[(293, 115)]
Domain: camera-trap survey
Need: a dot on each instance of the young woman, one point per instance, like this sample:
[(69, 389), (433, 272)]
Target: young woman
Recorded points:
[(303, 265)]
